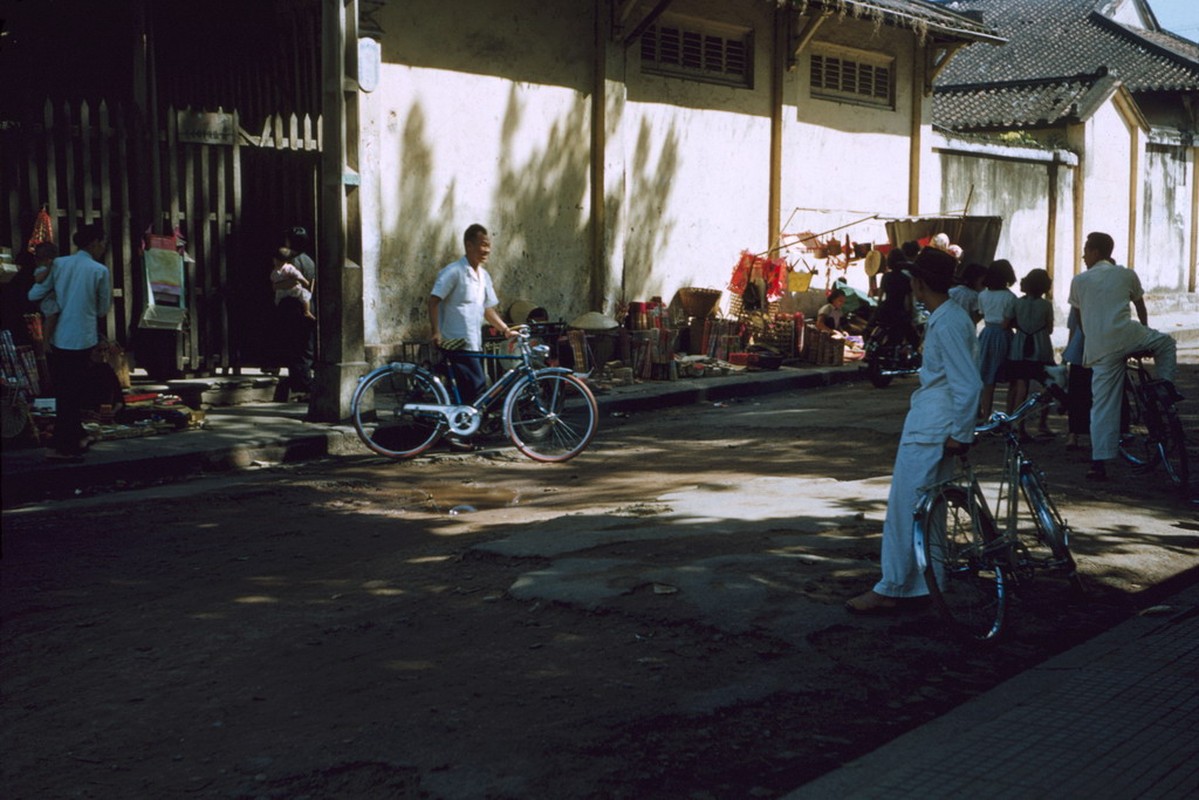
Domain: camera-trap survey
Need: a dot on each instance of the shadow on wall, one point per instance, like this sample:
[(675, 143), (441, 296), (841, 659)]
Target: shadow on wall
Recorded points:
[(648, 188), (541, 213)]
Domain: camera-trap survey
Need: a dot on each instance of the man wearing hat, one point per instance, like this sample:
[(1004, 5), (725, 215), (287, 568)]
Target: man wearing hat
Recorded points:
[(939, 426)]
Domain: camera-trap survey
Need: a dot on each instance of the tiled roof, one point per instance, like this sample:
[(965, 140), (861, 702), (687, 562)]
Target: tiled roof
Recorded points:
[(919, 15), (1020, 104), (1054, 38)]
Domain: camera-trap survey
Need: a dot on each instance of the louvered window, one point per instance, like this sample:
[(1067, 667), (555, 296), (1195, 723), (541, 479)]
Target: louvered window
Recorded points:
[(854, 77), (704, 53)]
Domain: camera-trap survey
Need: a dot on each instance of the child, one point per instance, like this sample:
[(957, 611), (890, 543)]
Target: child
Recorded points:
[(965, 292), (288, 281), (1031, 350), (998, 306), (44, 254), (829, 317)]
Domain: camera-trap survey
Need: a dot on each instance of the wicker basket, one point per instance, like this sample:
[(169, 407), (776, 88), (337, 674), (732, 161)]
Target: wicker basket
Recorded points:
[(698, 302)]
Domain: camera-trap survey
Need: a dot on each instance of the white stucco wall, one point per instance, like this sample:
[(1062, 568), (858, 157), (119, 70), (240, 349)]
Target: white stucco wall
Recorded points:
[(1107, 169), (1163, 244)]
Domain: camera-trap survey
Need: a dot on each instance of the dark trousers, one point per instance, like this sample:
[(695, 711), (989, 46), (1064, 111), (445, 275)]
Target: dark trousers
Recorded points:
[(1078, 403), (70, 371), (468, 374), (297, 335)]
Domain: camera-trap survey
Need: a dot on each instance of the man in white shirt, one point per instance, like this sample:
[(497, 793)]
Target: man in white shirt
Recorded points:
[(1101, 295), (939, 426), (463, 296)]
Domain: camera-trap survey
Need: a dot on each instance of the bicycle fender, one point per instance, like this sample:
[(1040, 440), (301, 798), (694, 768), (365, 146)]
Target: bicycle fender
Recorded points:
[(554, 371)]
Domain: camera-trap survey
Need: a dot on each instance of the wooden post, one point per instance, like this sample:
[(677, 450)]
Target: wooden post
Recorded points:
[(778, 72), (340, 360), (599, 147), (1194, 260), (920, 56), (1051, 222)]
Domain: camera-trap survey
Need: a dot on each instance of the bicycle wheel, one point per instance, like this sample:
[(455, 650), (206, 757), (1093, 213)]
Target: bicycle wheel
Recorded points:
[(381, 416), (1050, 543), (965, 580), (1136, 443), (1174, 450), (550, 416)]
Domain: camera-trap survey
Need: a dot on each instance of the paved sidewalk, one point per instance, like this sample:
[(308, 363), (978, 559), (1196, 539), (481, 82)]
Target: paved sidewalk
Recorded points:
[(1116, 717), (239, 436)]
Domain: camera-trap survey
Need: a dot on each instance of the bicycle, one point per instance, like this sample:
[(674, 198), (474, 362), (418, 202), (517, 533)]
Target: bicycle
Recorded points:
[(401, 409), (888, 353), (969, 561), (1150, 431)]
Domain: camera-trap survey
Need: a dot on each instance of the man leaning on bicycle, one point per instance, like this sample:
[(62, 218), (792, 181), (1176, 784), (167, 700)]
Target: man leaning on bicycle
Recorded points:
[(1102, 295)]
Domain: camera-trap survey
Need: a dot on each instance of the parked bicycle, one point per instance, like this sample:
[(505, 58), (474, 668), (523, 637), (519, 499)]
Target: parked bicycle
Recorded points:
[(402, 409), (889, 354), (971, 559), (1150, 431)]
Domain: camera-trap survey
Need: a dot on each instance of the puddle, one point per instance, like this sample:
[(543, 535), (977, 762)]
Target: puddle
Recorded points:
[(459, 499)]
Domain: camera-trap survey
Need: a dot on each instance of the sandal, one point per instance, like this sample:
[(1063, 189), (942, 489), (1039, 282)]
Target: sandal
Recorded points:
[(871, 603)]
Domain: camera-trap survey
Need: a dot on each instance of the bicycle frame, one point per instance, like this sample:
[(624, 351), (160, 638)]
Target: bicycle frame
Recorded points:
[(464, 419)]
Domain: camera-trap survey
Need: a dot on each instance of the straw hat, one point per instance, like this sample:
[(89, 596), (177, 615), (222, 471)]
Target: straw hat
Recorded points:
[(874, 262)]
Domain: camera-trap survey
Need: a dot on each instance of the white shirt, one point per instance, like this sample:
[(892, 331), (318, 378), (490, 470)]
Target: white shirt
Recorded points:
[(997, 305), (1102, 295), (465, 292), (947, 401)]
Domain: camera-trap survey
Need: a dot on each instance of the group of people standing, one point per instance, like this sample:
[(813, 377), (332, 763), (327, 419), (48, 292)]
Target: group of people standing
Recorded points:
[(961, 368)]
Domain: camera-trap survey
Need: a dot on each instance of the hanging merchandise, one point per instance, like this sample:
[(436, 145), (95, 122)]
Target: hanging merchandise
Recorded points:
[(43, 230), (165, 304)]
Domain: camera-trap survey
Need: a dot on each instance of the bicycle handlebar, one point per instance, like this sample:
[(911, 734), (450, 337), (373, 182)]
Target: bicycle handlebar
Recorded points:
[(1052, 377)]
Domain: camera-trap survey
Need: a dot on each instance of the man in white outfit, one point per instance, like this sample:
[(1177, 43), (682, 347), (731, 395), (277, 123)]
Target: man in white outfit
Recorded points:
[(939, 426), (1102, 295)]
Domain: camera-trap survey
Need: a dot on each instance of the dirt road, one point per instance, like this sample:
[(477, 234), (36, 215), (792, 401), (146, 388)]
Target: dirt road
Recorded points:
[(660, 618)]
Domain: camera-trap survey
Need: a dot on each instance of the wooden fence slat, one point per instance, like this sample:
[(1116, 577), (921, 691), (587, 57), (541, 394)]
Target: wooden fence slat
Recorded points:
[(68, 174), (128, 288), (235, 181), (107, 216), (219, 351), (51, 198), (10, 176), (172, 187), (204, 257), (86, 211)]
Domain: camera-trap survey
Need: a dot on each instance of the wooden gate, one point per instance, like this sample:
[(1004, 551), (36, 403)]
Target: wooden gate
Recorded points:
[(85, 164)]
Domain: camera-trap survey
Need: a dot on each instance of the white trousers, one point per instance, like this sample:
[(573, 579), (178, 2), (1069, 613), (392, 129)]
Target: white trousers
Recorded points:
[(916, 466), (1107, 389)]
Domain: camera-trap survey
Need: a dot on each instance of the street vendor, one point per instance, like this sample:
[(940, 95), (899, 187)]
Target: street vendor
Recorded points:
[(831, 315)]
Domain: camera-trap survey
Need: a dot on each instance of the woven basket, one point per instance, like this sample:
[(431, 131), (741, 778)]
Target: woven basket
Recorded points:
[(698, 302)]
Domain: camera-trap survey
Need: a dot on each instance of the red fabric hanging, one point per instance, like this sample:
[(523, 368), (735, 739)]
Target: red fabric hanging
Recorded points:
[(741, 273), (43, 230)]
